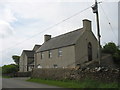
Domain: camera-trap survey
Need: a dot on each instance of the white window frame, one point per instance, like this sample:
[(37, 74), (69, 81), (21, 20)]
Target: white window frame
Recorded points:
[(55, 66), (42, 55), (59, 52), (50, 54), (39, 66)]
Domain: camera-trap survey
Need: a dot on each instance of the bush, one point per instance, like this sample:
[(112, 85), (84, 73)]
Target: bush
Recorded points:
[(12, 68), (110, 48), (116, 57)]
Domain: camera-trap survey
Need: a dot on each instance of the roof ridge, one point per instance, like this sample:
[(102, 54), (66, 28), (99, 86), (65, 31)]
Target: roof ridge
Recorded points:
[(28, 50), (37, 45), (68, 33)]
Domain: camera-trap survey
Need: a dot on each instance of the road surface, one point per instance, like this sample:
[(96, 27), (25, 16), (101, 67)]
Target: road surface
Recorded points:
[(21, 83)]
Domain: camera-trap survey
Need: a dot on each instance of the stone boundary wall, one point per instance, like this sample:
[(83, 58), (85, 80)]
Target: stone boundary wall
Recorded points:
[(22, 74), (99, 74), (18, 74)]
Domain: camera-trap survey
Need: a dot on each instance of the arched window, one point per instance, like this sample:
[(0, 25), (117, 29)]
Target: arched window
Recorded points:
[(89, 51)]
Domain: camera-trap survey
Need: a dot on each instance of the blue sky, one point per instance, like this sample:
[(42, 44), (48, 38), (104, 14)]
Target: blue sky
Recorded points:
[(20, 20)]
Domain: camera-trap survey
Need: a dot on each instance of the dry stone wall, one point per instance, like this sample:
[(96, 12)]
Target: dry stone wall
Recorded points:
[(101, 74)]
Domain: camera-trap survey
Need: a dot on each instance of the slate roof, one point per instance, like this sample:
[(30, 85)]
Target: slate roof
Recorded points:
[(29, 53), (31, 62), (63, 40), (36, 47)]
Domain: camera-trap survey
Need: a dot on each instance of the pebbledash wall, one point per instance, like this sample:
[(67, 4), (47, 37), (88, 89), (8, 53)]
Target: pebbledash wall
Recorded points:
[(105, 75), (59, 61)]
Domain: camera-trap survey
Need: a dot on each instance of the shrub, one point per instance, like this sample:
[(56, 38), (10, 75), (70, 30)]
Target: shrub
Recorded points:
[(12, 68), (110, 48), (116, 57)]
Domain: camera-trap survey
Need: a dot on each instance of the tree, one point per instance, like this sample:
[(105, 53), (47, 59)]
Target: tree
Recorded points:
[(12, 68), (110, 48), (16, 59)]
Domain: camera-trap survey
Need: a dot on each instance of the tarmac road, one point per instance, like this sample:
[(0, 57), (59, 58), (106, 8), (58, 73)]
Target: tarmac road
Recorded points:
[(21, 83)]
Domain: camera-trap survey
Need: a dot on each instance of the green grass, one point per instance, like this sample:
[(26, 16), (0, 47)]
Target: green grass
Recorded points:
[(75, 84), (0, 71), (6, 77)]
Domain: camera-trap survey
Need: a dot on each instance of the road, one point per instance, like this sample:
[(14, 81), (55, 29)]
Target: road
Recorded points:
[(21, 83)]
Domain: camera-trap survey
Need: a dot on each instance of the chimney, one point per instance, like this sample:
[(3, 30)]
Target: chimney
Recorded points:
[(87, 24), (47, 37)]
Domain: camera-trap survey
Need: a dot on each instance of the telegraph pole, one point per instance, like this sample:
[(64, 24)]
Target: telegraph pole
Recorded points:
[(95, 10)]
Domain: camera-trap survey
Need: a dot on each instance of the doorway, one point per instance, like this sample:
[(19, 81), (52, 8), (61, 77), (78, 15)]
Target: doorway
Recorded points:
[(89, 51)]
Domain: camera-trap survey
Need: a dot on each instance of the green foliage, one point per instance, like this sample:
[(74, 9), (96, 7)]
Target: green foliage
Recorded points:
[(16, 59), (0, 69), (110, 48), (116, 57), (87, 83), (12, 68), (6, 76)]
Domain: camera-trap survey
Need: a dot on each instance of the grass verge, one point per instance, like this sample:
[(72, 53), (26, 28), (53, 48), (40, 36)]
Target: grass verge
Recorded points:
[(6, 77), (75, 84)]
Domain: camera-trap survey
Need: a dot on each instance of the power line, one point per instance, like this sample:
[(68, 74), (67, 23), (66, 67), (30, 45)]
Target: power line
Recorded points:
[(109, 23), (48, 28)]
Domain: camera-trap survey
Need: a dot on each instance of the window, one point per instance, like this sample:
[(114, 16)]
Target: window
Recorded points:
[(39, 66), (78, 66), (59, 52), (42, 55), (55, 66), (50, 54)]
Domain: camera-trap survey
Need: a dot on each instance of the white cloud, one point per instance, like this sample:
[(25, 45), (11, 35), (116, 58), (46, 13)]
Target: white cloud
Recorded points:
[(20, 1), (6, 18), (36, 10), (5, 29), (7, 15), (31, 1)]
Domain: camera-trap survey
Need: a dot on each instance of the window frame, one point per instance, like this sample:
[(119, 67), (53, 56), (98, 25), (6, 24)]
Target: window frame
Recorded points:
[(60, 52), (55, 66), (39, 66), (50, 53), (42, 55)]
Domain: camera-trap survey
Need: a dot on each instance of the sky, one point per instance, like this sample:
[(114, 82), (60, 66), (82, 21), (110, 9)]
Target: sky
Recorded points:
[(23, 23)]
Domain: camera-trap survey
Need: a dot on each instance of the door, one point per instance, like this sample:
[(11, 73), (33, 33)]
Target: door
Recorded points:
[(89, 51)]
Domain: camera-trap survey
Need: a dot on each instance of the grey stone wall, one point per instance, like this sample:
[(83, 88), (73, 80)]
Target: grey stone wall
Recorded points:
[(18, 74), (99, 74)]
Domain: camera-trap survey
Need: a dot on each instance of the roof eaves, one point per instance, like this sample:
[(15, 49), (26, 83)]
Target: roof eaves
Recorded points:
[(55, 48)]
